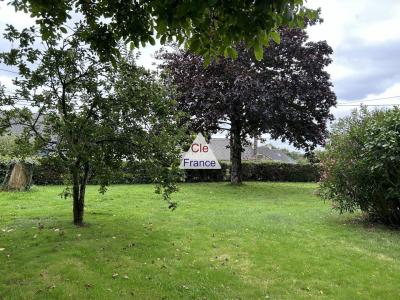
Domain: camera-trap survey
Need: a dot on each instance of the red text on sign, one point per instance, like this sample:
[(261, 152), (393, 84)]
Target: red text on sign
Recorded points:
[(199, 148)]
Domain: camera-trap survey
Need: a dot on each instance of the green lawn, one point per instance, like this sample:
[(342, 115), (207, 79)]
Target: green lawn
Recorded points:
[(258, 241)]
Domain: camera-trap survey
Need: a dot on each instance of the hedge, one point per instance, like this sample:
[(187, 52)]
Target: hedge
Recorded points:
[(259, 171), (51, 172), (272, 171)]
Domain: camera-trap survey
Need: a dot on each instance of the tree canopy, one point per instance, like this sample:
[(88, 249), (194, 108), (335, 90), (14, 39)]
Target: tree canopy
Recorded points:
[(287, 94), (208, 28), (89, 114)]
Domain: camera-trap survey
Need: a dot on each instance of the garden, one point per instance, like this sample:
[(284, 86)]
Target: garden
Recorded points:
[(261, 240), (102, 195)]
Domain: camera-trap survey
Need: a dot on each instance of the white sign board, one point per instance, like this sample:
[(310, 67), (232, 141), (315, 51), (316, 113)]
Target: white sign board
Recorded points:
[(199, 156)]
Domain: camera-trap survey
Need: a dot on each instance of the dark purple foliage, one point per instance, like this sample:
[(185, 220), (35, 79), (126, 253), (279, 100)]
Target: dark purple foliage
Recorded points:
[(288, 94)]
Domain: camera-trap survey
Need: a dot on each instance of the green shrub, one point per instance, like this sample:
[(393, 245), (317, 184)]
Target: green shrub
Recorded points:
[(361, 165), (12, 150), (259, 171), (208, 175), (51, 172), (273, 171)]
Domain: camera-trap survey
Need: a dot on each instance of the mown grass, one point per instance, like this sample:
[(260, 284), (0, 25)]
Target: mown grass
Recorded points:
[(257, 241)]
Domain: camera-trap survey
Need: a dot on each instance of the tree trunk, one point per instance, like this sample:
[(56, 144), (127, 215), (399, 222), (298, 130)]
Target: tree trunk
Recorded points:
[(79, 180), (236, 153), (18, 177)]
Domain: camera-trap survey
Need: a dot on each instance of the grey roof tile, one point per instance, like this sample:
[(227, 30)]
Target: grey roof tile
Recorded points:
[(220, 148)]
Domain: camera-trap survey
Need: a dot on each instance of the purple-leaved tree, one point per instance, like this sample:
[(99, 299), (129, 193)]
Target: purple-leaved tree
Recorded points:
[(287, 94)]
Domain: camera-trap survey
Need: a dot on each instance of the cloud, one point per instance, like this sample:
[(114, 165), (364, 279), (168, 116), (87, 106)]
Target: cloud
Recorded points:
[(368, 20), (6, 80), (365, 37), (8, 15), (366, 68)]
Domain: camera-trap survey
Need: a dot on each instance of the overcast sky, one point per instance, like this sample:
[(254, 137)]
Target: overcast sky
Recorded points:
[(365, 37)]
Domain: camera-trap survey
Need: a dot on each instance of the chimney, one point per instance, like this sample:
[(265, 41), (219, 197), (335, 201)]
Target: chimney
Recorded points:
[(255, 147)]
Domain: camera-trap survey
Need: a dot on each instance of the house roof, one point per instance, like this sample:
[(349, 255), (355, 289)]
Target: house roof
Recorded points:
[(275, 154), (221, 150)]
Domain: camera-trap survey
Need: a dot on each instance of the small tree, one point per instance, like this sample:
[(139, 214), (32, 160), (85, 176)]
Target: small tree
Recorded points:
[(361, 165), (287, 94), (90, 115)]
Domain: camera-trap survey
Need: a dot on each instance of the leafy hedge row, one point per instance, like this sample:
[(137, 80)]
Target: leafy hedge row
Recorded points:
[(268, 171), (260, 171), (51, 172)]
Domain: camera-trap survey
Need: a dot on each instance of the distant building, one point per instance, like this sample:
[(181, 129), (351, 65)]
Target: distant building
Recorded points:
[(221, 150)]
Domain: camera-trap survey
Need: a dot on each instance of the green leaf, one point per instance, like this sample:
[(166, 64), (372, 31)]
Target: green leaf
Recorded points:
[(161, 26), (63, 30), (226, 54), (275, 37), (207, 61), (263, 36), (113, 62), (163, 39), (258, 51), (194, 44), (180, 39), (232, 52), (152, 41)]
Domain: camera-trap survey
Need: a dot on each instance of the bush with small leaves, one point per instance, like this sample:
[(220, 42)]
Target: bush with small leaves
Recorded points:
[(361, 167)]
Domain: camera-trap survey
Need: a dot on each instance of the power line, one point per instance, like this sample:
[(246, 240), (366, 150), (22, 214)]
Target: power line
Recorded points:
[(356, 105), (346, 103), (374, 99), (9, 71)]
